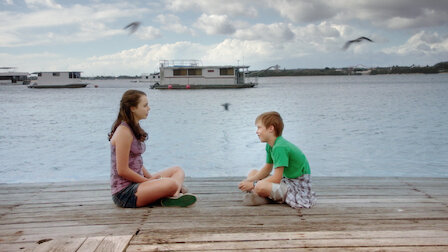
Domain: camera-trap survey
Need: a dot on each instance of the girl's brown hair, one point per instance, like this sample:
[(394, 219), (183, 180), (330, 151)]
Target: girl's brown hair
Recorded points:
[(272, 118), (130, 99)]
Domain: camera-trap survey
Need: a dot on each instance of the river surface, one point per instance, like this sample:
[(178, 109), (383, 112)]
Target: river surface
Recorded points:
[(384, 125)]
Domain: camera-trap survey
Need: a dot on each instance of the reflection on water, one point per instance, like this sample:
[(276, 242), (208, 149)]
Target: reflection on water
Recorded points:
[(346, 125)]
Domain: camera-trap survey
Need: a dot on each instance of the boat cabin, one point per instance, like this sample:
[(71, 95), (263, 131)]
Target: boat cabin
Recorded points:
[(191, 74), (58, 80)]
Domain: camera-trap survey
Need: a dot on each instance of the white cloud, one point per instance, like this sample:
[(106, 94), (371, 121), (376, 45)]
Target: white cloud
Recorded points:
[(422, 43), (231, 50), (398, 14), (298, 33), (148, 33), (303, 10), (323, 37), (427, 17), (172, 23), (321, 31), (42, 3), (258, 54), (219, 7), (278, 32), (141, 59), (27, 62), (81, 23), (215, 24)]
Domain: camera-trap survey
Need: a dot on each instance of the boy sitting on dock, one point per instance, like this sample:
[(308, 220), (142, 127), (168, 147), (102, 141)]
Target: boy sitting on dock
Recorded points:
[(291, 180)]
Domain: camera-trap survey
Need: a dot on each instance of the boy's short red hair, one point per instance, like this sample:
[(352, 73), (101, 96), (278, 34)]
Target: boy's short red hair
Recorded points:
[(271, 118)]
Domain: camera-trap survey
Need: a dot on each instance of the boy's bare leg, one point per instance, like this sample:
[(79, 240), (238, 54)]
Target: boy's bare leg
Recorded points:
[(252, 198), (263, 188), (252, 173)]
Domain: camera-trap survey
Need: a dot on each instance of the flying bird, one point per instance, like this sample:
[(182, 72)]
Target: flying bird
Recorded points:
[(132, 27), (348, 43), (226, 105)]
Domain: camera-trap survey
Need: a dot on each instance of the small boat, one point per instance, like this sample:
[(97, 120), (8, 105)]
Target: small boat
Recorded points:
[(190, 74), (9, 77), (58, 80)]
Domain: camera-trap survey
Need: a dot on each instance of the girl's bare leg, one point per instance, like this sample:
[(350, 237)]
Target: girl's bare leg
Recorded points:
[(175, 173), (150, 191)]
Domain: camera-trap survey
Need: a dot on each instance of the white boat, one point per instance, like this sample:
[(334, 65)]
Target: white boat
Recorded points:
[(8, 77), (58, 80), (190, 74), (148, 78)]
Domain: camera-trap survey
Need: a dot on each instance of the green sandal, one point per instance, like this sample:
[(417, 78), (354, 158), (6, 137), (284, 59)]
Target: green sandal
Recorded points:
[(183, 200)]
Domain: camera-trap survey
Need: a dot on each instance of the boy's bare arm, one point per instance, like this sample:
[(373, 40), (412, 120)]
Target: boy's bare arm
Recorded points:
[(262, 173), (277, 176), (247, 184)]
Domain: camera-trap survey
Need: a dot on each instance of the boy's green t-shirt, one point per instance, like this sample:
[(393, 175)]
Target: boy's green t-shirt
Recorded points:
[(286, 154)]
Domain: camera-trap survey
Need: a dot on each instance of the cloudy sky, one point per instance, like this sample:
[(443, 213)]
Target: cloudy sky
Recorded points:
[(88, 35)]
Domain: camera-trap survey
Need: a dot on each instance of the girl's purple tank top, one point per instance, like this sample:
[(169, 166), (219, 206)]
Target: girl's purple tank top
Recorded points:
[(118, 183)]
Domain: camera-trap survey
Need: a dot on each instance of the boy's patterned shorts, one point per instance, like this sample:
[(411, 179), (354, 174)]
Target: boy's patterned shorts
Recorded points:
[(278, 192)]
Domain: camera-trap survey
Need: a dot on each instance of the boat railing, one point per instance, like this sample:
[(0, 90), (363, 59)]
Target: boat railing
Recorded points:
[(178, 63)]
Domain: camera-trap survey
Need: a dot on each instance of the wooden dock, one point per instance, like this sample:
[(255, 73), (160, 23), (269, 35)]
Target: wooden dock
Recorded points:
[(352, 214)]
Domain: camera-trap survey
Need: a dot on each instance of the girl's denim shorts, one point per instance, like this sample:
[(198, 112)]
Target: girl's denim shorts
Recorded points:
[(126, 198)]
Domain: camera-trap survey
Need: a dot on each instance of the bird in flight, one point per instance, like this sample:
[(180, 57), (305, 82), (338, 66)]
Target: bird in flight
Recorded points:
[(226, 105), (132, 27), (348, 43)]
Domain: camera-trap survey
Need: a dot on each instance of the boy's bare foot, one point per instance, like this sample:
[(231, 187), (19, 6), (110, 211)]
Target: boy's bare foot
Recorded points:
[(252, 199)]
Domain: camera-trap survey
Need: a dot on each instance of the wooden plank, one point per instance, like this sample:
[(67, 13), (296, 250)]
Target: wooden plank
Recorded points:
[(97, 243), (321, 243), (214, 237), (42, 232), (24, 246), (353, 209), (60, 245), (90, 244), (114, 243)]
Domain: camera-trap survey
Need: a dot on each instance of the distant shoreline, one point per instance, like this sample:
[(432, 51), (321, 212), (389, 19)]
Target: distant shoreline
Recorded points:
[(441, 67)]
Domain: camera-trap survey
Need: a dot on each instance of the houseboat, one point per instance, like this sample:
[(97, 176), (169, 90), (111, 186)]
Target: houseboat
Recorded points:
[(190, 74), (9, 77), (58, 80), (149, 78)]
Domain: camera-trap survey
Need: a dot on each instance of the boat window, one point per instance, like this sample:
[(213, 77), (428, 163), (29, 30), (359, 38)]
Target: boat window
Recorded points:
[(180, 72), (56, 74), (195, 71), (226, 71), (74, 75)]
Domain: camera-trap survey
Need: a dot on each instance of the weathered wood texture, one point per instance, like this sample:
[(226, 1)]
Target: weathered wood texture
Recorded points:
[(352, 214)]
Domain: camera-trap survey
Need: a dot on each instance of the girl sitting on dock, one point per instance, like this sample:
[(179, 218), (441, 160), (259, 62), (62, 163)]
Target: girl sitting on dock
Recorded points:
[(131, 184)]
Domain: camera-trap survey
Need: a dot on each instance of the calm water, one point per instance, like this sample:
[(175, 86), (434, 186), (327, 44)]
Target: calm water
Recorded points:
[(347, 126)]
